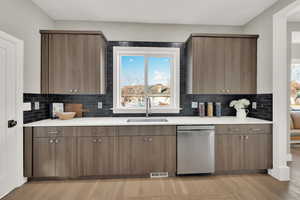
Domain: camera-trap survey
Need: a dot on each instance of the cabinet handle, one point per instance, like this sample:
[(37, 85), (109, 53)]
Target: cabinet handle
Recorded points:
[(256, 129), (51, 141), (99, 140), (75, 90), (246, 137), (150, 139), (53, 132), (94, 140), (145, 139), (71, 91), (56, 141), (227, 91)]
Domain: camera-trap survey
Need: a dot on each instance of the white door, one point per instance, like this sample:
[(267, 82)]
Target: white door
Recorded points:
[(11, 94)]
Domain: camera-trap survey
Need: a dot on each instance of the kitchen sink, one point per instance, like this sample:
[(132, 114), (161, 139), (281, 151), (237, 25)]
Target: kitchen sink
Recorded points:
[(147, 120)]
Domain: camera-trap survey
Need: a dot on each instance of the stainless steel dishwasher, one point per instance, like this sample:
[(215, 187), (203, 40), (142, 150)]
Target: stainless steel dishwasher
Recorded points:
[(195, 149)]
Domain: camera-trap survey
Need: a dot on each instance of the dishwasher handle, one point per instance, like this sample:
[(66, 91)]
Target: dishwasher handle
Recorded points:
[(195, 128), (200, 133)]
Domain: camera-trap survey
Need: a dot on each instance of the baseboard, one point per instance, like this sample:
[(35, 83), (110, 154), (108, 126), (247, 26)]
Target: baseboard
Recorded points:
[(281, 173)]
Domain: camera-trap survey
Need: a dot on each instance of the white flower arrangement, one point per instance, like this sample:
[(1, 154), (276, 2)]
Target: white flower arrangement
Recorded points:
[(240, 104)]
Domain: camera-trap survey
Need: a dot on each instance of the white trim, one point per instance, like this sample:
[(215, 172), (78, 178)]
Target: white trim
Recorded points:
[(174, 53), (281, 92), (19, 44)]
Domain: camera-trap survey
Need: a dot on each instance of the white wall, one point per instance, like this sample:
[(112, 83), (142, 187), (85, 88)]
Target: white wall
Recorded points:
[(23, 19), (145, 32), (263, 25)]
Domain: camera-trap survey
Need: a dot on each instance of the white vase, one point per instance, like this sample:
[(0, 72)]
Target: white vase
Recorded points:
[(242, 114)]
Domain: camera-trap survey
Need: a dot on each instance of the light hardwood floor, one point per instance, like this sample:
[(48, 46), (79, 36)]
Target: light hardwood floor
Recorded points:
[(221, 187)]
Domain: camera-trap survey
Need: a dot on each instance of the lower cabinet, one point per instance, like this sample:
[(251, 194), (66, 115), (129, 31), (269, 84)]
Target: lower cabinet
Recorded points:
[(96, 156), (243, 148), (53, 157), (101, 151), (141, 155)]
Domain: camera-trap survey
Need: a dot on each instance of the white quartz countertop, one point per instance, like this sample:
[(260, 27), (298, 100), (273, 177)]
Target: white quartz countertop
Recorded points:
[(122, 121)]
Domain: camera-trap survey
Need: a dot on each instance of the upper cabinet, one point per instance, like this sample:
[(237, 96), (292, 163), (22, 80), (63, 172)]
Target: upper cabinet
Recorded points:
[(222, 64), (73, 62)]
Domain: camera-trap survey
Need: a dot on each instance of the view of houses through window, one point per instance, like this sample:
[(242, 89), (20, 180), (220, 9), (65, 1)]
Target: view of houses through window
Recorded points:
[(295, 86), (142, 76)]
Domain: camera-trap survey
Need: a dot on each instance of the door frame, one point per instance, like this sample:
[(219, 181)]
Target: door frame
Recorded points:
[(281, 92), (19, 44)]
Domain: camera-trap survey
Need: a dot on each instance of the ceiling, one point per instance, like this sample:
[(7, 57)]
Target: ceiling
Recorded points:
[(209, 12)]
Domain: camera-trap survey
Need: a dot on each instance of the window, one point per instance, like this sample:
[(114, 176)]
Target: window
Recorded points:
[(295, 84), (141, 72)]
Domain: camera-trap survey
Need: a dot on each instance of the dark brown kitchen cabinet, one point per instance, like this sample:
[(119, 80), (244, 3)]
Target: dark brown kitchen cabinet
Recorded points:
[(141, 155), (43, 157), (146, 149), (73, 62), (221, 64), (96, 156), (53, 155), (228, 152), (243, 147)]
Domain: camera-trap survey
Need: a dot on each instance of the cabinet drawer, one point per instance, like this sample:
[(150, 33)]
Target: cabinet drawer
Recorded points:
[(258, 128), (95, 131), (42, 132), (230, 129), (146, 130)]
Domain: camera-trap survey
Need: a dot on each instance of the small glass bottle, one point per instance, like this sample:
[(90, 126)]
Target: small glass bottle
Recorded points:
[(201, 109), (210, 109), (218, 109)]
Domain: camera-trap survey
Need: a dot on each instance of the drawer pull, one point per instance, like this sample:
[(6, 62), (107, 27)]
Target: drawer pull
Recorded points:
[(94, 140), (150, 140), (234, 129), (51, 141), (53, 132), (56, 141), (99, 140), (246, 137), (256, 129)]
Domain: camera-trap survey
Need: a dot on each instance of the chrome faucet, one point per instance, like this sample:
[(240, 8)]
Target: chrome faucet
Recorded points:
[(148, 106)]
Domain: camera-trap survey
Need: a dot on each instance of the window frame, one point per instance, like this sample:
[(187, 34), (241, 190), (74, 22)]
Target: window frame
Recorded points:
[(171, 52)]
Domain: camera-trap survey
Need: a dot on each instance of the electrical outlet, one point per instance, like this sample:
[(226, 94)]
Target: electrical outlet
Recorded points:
[(100, 105), (36, 105), (254, 105), (194, 104)]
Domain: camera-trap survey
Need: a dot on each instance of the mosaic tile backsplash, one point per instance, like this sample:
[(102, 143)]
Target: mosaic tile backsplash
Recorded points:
[(263, 111)]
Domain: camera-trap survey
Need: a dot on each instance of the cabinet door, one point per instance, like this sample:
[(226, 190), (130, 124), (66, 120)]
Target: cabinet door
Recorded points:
[(208, 65), (162, 154), (139, 156), (43, 157), (258, 152), (76, 64), (96, 156), (64, 53), (89, 64), (240, 65), (228, 152), (65, 165)]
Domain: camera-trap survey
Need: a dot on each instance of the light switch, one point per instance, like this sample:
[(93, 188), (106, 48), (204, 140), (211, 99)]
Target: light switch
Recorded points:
[(36, 105), (100, 105), (194, 104), (27, 106), (254, 105)]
